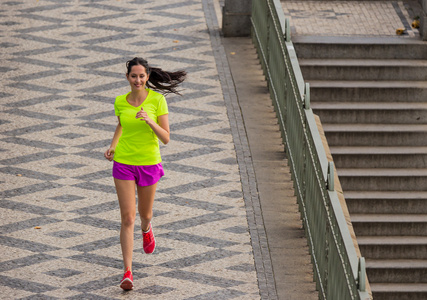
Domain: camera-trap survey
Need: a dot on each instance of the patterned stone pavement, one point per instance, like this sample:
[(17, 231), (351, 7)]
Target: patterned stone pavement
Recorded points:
[(350, 18), (62, 63)]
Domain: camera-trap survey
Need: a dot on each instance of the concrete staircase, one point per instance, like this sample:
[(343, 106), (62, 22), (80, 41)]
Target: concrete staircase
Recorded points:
[(371, 96)]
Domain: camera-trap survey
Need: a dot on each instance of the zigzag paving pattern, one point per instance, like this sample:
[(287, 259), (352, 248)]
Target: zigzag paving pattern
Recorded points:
[(62, 64)]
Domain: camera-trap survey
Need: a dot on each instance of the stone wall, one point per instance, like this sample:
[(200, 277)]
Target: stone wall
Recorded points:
[(236, 18)]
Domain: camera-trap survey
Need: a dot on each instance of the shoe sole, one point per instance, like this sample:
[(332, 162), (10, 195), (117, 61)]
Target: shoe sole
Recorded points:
[(126, 285)]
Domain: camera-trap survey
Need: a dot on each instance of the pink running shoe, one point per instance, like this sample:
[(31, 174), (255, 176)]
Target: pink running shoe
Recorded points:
[(127, 281), (149, 243)]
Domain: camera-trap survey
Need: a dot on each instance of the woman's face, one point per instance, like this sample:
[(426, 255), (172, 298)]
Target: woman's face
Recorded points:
[(137, 77)]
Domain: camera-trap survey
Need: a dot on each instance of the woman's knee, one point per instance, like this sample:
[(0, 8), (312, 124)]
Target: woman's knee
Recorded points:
[(128, 220), (146, 216)]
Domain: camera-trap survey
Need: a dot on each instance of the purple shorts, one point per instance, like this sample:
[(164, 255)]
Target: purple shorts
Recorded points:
[(142, 175)]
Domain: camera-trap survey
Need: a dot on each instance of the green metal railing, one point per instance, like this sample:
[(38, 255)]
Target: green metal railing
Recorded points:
[(338, 272)]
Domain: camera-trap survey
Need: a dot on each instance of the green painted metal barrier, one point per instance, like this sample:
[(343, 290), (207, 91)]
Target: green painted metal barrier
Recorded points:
[(338, 272)]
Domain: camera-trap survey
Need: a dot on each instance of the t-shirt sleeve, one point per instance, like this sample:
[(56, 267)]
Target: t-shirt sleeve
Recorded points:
[(162, 109), (116, 108)]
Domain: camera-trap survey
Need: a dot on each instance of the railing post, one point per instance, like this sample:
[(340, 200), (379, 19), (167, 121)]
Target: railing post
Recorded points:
[(331, 177), (361, 275), (307, 96), (288, 30)]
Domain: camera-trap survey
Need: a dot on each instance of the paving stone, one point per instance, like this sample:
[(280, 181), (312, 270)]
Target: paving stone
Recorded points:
[(350, 18)]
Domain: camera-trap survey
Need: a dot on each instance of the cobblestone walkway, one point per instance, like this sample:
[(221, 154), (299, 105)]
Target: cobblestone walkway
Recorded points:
[(349, 18), (62, 64)]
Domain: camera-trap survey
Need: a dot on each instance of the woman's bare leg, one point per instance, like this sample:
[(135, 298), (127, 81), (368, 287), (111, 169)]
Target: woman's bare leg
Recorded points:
[(145, 204), (126, 194)]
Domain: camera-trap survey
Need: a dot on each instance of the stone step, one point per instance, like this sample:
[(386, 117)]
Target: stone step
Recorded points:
[(397, 271), (363, 47), (390, 179), (370, 94), (368, 91), (363, 69), (396, 202), (393, 247), (371, 112), (375, 134), (379, 157), (389, 224), (399, 291)]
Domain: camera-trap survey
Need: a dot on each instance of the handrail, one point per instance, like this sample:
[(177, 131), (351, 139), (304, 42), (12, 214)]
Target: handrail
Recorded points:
[(338, 272)]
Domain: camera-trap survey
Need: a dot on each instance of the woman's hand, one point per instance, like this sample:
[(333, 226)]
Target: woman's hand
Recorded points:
[(143, 115), (109, 154), (161, 130)]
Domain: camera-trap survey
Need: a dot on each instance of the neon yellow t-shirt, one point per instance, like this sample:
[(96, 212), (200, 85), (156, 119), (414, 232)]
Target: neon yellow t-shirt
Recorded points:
[(138, 145)]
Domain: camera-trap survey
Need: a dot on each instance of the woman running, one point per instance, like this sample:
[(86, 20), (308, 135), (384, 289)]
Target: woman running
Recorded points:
[(143, 120)]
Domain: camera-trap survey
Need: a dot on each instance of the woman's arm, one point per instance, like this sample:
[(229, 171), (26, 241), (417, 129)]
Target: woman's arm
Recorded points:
[(161, 130), (109, 154)]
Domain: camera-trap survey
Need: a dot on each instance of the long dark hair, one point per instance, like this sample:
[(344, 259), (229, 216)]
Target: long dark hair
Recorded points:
[(159, 80)]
